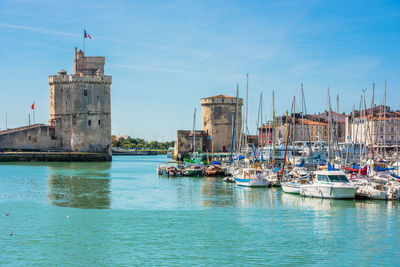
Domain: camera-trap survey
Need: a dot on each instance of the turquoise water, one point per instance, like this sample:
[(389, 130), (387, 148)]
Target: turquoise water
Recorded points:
[(122, 213)]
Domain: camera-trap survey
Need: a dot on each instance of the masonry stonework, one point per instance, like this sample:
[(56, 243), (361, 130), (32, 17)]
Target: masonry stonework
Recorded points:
[(80, 113), (218, 115)]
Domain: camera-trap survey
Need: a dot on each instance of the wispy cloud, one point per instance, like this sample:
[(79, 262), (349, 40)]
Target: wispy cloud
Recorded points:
[(34, 29)]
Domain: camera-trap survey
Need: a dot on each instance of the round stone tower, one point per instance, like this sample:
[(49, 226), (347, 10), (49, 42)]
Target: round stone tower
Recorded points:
[(218, 115)]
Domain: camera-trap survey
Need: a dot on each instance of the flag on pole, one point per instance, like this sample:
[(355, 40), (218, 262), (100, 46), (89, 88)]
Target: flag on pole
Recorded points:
[(86, 35), (33, 105)]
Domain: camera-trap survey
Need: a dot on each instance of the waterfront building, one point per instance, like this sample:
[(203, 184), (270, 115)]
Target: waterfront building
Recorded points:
[(218, 124), (80, 113), (374, 127), (218, 117)]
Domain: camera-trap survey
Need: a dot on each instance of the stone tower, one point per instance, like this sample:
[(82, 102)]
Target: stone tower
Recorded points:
[(218, 113), (80, 108)]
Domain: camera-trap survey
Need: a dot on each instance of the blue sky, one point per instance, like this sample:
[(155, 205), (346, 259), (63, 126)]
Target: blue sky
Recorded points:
[(166, 55)]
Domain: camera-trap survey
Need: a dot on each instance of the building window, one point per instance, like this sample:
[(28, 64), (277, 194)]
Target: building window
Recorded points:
[(99, 122), (85, 92), (89, 122), (392, 129), (392, 120), (29, 138), (392, 138)]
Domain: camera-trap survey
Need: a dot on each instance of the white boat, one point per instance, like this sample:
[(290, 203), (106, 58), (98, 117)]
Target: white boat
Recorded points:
[(329, 184), (372, 191), (293, 187), (250, 177), (273, 178)]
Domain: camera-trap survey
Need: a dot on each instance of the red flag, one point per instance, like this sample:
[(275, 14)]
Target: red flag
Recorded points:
[(33, 105)]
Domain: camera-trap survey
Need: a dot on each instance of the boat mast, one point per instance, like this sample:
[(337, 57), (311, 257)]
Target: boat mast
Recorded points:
[(384, 122), (329, 127), (194, 131), (294, 130), (371, 111), (233, 147), (302, 113), (273, 128), (247, 107)]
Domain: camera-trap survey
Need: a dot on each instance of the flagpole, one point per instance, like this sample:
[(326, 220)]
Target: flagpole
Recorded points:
[(33, 112), (84, 42)]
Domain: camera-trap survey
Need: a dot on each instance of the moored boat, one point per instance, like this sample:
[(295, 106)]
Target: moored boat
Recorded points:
[(250, 177), (329, 184)]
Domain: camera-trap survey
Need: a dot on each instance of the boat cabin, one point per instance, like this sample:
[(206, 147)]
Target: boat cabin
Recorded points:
[(331, 177)]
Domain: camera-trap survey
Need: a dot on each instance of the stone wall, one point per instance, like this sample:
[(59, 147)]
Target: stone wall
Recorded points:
[(184, 143), (34, 137), (88, 65), (80, 107), (80, 113), (217, 113)]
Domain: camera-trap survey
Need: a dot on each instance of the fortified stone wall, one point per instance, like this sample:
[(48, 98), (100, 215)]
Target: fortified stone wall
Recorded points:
[(34, 137), (184, 143), (80, 111), (218, 113)]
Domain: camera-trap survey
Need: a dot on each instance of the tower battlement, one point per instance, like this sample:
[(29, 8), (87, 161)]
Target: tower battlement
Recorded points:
[(79, 78), (221, 100), (87, 65)]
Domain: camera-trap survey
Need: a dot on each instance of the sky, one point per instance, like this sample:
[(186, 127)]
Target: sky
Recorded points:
[(164, 56)]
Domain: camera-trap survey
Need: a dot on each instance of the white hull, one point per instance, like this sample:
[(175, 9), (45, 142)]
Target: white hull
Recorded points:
[(291, 188), (369, 192), (252, 182), (328, 191)]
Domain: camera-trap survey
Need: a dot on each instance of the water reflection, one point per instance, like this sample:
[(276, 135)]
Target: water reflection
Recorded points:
[(80, 185), (216, 193)]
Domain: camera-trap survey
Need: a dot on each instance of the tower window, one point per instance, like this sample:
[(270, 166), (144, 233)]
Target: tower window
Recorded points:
[(89, 122), (99, 122), (85, 92)]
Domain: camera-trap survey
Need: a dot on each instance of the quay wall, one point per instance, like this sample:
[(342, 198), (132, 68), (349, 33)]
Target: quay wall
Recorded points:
[(52, 156)]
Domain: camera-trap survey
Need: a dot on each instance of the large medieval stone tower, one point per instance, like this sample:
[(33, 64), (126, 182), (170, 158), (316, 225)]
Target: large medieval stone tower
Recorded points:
[(218, 113), (80, 108)]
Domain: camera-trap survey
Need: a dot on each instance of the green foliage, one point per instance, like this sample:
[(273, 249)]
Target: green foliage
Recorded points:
[(138, 143)]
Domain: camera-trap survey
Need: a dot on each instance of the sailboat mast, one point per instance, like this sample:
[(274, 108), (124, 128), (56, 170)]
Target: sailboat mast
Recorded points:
[(247, 106), (261, 115), (294, 130), (194, 130), (329, 127), (273, 128), (384, 121), (302, 113)]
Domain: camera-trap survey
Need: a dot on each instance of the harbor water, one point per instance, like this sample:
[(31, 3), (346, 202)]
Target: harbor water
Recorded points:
[(122, 213)]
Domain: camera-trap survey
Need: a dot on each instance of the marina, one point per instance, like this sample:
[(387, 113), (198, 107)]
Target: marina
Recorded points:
[(200, 133), (123, 208)]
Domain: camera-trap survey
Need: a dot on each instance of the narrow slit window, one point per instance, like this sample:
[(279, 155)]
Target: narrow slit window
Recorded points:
[(89, 122), (99, 122), (85, 92)]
